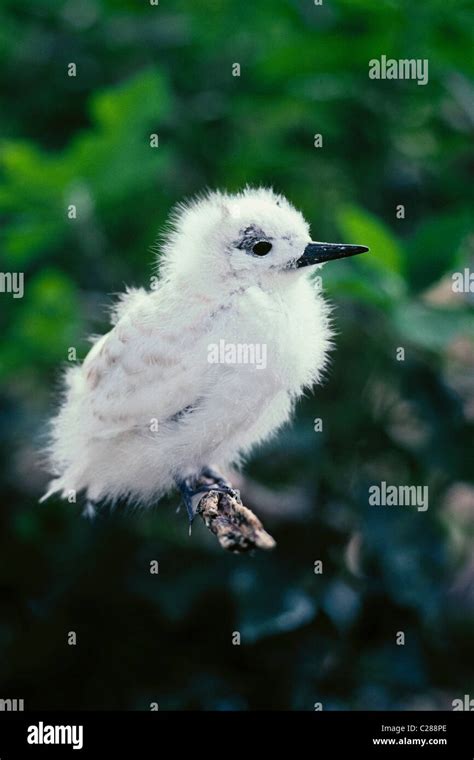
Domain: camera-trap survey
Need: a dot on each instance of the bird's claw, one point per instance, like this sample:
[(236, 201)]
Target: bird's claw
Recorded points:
[(192, 503), (223, 513), (220, 488), (191, 488)]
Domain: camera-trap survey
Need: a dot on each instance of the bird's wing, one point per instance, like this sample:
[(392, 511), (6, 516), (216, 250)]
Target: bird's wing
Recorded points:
[(140, 372)]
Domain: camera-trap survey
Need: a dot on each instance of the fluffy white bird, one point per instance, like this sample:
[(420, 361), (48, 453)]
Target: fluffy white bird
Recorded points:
[(154, 405)]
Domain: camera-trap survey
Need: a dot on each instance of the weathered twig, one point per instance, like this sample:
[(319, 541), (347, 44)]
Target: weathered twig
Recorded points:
[(236, 526)]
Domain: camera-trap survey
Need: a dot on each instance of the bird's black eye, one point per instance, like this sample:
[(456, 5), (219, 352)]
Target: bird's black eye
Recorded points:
[(261, 248)]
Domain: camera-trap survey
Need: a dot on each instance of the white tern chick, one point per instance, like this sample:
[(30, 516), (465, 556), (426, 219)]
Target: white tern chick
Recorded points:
[(172, 389)]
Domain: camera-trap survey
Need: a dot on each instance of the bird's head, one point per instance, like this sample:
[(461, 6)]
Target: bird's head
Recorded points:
[(247, 238)]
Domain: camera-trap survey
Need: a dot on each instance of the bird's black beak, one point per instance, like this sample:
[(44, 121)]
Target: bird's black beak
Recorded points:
[(318, 253)]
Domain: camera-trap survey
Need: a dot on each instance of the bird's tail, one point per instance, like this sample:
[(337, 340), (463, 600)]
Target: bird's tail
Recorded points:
[(58, 485), (53, 487)]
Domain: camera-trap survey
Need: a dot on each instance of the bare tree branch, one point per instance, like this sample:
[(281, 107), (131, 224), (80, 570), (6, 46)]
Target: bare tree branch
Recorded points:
[(235, 526)]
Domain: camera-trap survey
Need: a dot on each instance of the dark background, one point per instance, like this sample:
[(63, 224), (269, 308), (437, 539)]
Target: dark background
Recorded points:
[(306, 638)]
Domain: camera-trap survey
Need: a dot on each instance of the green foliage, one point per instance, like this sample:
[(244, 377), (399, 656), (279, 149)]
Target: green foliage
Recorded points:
[(437, 247), (86, 141)]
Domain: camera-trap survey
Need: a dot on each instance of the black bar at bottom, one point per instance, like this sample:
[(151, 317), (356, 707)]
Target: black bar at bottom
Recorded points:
[(152, 734)]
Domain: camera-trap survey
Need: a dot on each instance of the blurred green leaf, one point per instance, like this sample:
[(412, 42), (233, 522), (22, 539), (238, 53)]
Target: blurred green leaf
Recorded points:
[(432, 328), (363, 228)]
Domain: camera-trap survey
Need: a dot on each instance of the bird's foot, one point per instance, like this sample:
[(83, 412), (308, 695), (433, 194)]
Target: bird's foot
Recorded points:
[(193, 489), (234, 492), (220, 507), (188, 492)]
